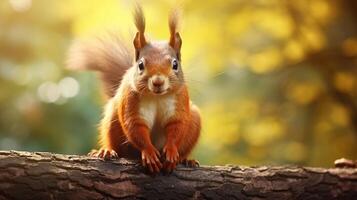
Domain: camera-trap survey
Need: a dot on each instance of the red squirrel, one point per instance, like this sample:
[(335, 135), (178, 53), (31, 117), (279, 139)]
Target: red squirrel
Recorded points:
[(149, 115)]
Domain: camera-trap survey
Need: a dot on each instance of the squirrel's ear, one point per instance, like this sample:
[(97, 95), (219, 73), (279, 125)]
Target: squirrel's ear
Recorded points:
[(175, 39), (176, 43), (139, 42)]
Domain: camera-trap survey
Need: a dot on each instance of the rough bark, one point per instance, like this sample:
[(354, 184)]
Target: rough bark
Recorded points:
[(25, 175)]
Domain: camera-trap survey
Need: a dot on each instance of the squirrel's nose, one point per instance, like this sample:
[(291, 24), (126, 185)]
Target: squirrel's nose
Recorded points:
[(157, 83)]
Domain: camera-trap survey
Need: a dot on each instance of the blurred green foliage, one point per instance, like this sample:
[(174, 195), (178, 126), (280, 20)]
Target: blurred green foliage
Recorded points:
[(276, 80)]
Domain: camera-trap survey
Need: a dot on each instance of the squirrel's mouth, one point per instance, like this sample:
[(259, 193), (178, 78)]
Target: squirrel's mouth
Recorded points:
[(159, 91)]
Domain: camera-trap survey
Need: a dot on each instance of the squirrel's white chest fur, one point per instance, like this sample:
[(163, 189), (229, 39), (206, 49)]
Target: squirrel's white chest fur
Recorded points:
[(156, 111)]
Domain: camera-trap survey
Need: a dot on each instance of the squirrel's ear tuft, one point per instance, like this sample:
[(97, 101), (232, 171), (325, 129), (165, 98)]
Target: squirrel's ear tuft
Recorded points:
[(139, 19), (175, 39)]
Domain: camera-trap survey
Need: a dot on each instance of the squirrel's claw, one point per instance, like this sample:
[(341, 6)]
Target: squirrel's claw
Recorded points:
[(190, 163), (171, 153), (105, 154), (169, 167)]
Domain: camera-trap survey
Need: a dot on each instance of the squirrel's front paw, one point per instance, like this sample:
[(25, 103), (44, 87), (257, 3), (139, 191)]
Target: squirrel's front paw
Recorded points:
[(105, 154), (169, 167), (171, 158), (150, 159), (171, 153)]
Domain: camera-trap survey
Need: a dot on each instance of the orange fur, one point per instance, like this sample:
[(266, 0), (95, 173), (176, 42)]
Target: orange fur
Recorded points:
[(157, 124)]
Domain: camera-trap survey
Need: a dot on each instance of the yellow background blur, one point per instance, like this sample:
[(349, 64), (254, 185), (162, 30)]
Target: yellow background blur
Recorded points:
[(276, 80)]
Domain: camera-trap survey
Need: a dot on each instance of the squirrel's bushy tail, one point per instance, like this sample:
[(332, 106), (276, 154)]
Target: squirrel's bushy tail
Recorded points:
[(107, 55)]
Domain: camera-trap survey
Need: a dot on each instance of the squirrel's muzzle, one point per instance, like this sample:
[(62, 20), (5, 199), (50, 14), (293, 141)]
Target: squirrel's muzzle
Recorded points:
[(158, 84)]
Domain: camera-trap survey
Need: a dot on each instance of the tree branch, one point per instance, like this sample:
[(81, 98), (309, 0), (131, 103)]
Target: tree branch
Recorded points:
[(25, 175)]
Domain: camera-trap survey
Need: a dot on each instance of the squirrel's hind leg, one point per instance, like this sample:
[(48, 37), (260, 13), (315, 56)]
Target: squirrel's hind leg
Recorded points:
[(111, 136), (190, 139)]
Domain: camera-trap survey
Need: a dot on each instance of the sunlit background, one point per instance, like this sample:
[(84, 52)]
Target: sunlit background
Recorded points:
[(276, 80)]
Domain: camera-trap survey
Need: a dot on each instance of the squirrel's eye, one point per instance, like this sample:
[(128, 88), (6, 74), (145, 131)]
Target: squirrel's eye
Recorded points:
[(175, 65), (141, 65)]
